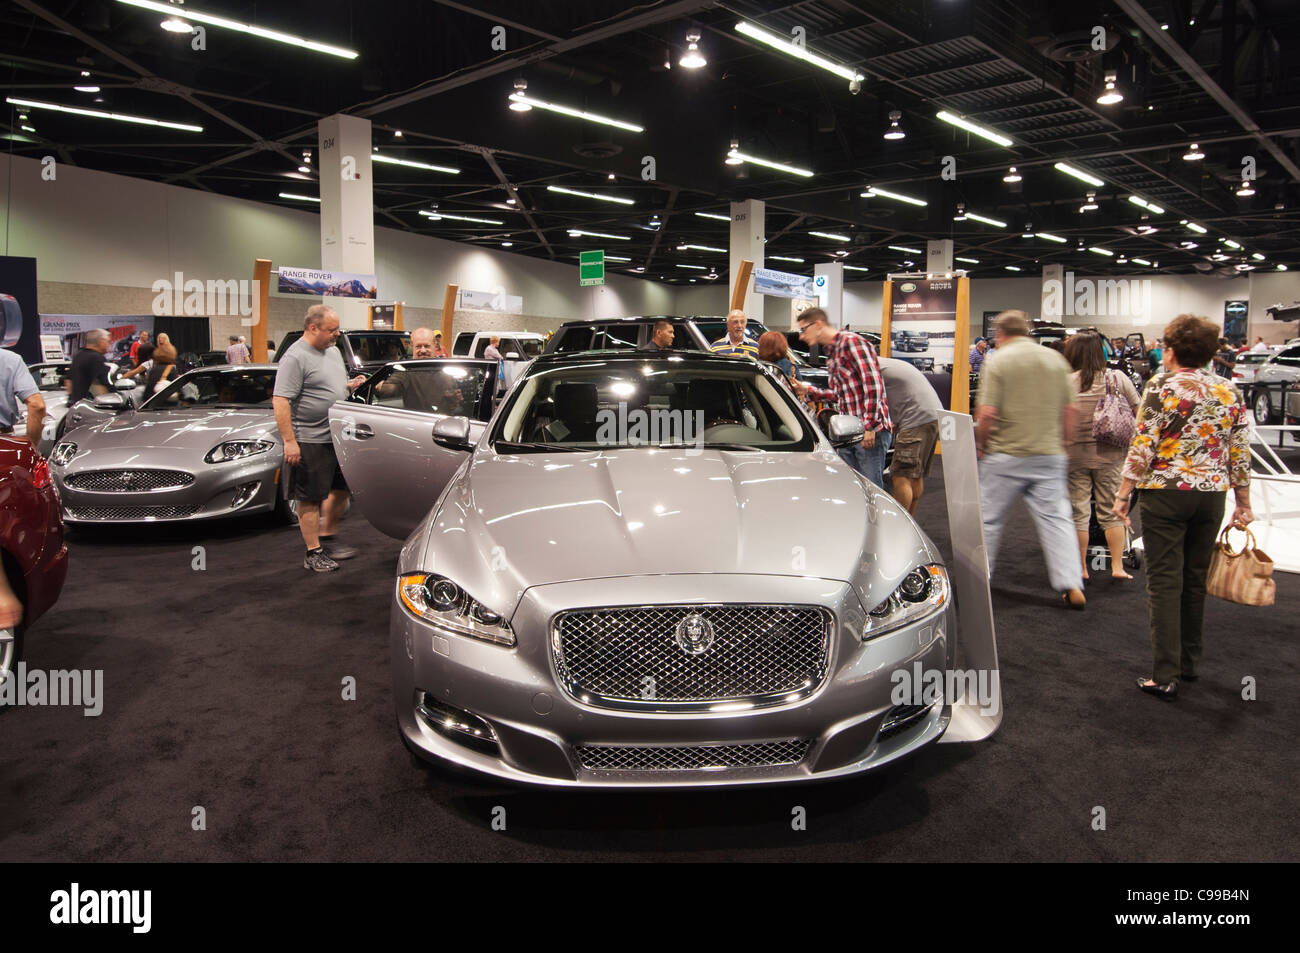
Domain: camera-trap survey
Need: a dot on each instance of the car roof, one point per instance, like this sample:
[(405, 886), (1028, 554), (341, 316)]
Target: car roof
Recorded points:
[(642, 318), (597, 357)]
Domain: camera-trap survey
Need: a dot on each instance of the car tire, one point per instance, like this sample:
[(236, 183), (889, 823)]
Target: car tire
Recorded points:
[(1262, 408)]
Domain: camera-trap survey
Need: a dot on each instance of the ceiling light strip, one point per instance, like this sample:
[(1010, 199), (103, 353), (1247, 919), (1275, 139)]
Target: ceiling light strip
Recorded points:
[(575, 113), (783, 45), (874, 190), (1079, 174), (411, 163), (188, 14), (971, 127), (779, 166), (590, 195), (100, 114)]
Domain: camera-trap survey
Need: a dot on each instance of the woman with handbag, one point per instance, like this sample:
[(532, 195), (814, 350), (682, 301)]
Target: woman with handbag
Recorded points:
[(1102, 431), (1191, 446)]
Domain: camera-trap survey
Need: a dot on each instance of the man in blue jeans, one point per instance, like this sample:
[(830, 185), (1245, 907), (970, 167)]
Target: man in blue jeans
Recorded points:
[(857, 388)]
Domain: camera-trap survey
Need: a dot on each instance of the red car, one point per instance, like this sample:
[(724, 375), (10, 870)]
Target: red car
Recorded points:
[(31, 540)]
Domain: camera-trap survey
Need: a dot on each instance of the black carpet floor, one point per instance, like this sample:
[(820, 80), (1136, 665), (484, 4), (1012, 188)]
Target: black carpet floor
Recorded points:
[(223, 690)]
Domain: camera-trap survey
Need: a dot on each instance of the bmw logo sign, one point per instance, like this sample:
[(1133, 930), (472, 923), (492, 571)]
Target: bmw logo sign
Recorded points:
[(821, 281)]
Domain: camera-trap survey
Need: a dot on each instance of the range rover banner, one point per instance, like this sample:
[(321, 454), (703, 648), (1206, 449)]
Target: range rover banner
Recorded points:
[(923, 321), (332, 284)]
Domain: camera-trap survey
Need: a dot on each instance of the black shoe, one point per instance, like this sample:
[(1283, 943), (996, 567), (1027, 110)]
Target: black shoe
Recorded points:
[(317, 561), (335, 550), (1166, 692)]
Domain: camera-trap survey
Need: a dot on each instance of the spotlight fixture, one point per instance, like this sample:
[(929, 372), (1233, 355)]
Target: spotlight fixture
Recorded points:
[(873, 190), (734, 153), (411, 164), (305, 169), (831, 236), (1012, 175), (521, 89), (987, 221), (397, 133), (306, 156), (800, 53), (171, 11), (174, 23), (1246, 188), (969, 126), (610, 177), (518, 98), (1122, 260), (1078, 174), (1029, 230), (721, 251), (1194, 154), (99, 114), (692, 58), (961, 212), (714, 215), (895, 131), (1110, 95), (618, 199), (1091, 204), (86, 86), (904, 248), (300, 198), (840, 253)]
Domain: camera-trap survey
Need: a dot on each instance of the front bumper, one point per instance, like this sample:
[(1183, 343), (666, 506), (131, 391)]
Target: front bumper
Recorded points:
[(218, 490), (521, 726)]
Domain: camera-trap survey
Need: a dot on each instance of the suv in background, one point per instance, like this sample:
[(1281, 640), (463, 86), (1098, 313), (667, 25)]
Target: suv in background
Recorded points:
[(515, 345), (364, 351), (1272, 380), (911, 341)]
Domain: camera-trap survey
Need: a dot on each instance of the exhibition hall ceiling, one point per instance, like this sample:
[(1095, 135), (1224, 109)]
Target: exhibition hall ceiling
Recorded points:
[(1186, 115)]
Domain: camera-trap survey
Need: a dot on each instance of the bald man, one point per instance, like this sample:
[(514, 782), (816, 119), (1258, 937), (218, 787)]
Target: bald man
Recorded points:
[(736, 343), (422, 344)]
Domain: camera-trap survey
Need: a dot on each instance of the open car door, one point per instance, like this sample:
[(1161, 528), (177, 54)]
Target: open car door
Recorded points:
[(384, 435)]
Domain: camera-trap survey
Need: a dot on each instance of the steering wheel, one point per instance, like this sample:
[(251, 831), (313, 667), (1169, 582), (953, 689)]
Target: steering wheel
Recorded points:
[(719, 422)]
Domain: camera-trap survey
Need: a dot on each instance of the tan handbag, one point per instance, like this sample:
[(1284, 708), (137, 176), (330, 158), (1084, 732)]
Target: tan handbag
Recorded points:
[(1244, 576)]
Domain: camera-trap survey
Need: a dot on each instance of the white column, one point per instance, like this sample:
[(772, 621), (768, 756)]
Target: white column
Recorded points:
[(347, 207), (828, 282), (938, 256), (748, 224), (1052, 304)]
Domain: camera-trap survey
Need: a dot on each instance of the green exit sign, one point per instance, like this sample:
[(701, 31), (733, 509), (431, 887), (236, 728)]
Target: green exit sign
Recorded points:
[(591, 268)]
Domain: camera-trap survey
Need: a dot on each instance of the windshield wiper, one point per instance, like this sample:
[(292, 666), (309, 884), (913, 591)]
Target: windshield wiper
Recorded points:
[(707, 445), (512, 446)]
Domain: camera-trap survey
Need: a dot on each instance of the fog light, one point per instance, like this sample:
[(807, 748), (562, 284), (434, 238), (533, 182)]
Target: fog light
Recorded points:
[(457, 724), (243, 493)]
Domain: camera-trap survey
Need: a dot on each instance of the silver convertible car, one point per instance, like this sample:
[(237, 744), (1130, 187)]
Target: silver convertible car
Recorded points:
[(648, 570)]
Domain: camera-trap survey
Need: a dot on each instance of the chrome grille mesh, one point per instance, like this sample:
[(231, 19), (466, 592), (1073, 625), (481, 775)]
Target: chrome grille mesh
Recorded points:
[(691, 757), (130, 512), (631, 655), (129, 481)]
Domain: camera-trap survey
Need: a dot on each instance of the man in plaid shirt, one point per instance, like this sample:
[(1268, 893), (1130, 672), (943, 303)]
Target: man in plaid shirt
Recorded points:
[(857, 388)]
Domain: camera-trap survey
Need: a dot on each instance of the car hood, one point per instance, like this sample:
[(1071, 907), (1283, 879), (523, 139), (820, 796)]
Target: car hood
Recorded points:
[(193, 428), (510, 522)]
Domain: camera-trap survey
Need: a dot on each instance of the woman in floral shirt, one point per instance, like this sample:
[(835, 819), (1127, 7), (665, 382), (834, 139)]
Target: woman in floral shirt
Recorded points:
[(1191, 445)]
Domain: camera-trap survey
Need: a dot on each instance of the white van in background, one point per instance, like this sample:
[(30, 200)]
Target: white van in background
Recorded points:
[(518, 348)]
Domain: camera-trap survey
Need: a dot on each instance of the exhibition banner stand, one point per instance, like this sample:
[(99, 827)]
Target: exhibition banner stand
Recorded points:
[(926, 322), (977, 715)]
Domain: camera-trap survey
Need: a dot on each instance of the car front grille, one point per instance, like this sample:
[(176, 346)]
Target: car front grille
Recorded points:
[(635, 657), (130, 513), (129, 481), (691, 757)]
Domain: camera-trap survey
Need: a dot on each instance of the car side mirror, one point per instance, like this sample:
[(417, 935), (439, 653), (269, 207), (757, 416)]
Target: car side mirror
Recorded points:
[(845, 429), (512, 355), (113, 402), (452, 433), (125, 383)]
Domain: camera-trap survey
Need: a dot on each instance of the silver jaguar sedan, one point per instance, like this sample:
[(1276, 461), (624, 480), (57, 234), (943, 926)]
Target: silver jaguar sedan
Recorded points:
[(206, 446), (648, 570)]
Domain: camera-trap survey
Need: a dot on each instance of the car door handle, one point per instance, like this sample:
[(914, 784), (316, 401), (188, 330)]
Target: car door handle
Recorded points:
[(362, 432)]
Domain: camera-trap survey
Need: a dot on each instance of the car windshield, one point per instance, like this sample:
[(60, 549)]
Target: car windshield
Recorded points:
[(531, 347), (656, 402), (233, 388), (380, 347), (49, 376), (438, 387), (717, 330)]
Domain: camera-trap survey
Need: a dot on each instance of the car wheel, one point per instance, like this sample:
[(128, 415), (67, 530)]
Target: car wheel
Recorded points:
[(1263, 410)]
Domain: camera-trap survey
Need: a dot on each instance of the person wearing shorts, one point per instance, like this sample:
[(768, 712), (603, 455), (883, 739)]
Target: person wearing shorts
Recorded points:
[(915, 408), (309, 379)]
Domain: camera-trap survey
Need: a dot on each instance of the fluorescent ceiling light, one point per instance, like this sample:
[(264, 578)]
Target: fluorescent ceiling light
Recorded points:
[(855, 268), (693, 267), (1149, 206), (1052, 238), (1230, 243), (616, 258), (590, 195), (1257, 256), (874, 190), (460, 218), (100, 114), (721, 251), (1010, 267), (581, 233), (1196, 228), (798, 52), (780, 167), (1141, 261), (831, 236), (522, 99), (912, 251), (714, 215), (986, 221), (797, 261), (969, 126), (507, 244), (1101, 251), (265, 34), (1281, 267), (300, 198), (1078, 174), (969, 261), (411, 164)]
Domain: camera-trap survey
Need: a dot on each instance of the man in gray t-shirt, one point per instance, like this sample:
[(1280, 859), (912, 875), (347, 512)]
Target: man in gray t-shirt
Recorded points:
[(16, 385), (914, 407), (309, 379)]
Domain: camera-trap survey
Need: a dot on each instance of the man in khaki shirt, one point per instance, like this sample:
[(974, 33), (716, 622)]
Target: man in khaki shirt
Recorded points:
[(1026, 410)]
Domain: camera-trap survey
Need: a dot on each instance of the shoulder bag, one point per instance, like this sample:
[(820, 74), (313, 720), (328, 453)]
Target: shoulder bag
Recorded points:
[(1245, 576), (1113, 422)]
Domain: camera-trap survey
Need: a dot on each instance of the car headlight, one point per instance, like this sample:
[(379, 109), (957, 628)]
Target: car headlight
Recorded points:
[(63, 454), (237, 450), (923, 591), (439, 600)]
